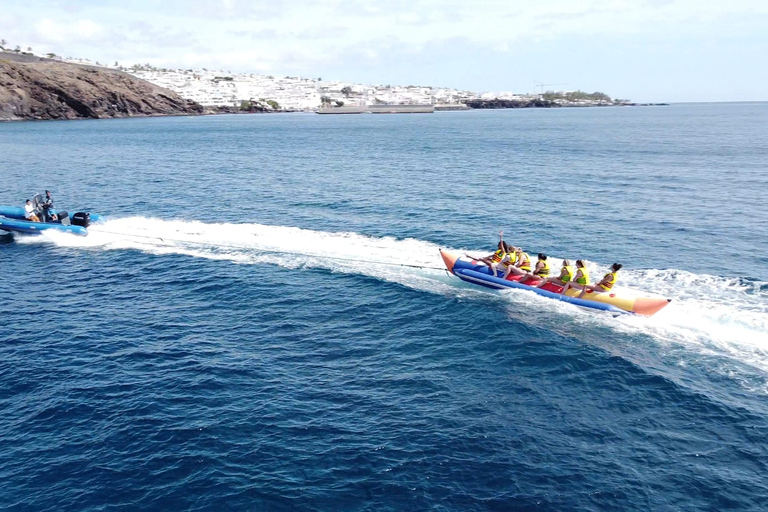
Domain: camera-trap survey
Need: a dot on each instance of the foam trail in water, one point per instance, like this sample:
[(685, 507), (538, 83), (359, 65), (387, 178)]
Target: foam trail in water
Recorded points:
[(288, 247), (718, 315), (723, 320)]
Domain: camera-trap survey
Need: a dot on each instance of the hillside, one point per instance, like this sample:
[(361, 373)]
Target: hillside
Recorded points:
[(35, 88)]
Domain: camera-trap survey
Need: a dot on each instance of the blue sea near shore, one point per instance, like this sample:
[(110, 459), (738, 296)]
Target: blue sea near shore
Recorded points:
[(240, 335)]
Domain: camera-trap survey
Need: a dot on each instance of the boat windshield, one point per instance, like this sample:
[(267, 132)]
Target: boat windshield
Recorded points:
[(38, 201)]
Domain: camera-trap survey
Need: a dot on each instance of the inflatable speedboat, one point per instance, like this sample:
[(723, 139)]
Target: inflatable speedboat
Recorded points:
[(12, 219), (473, 271)]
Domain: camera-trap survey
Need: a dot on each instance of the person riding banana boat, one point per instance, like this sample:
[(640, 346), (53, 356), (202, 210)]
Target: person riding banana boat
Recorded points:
[(496, 258), (541, 270), (508, 260), (566, 275), (522, 264), (580, 280), (516, 261), (605, 284)]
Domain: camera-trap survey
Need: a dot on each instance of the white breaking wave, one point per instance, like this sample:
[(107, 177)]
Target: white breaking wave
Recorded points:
[(715, 315)]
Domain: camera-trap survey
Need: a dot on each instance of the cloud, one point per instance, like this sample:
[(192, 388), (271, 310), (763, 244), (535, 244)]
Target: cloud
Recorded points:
[(161, 37), (409, 36), (324, 32), (266, 33), (83, 30)]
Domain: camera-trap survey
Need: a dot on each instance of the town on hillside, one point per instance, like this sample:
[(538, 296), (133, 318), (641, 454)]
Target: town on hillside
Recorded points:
[(216, 88)]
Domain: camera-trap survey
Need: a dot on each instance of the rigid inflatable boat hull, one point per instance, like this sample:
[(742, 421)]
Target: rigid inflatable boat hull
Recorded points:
[(12, 219)]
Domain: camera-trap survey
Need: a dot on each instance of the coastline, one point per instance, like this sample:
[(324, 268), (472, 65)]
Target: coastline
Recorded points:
[(33, 88), (225, 110)]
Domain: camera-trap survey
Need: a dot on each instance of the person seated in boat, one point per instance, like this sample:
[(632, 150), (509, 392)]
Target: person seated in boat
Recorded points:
[(522, 264), (509, 259), (541, 270), (493, 260), (49, 212), (566, 274), (580, 280), (606, 283), (29, 212)]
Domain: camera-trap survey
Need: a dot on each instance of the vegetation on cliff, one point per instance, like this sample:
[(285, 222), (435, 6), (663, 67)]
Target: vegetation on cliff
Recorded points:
[(497, 103), (575, 96)]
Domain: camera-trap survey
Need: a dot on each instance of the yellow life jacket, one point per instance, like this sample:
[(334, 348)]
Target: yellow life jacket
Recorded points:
[(584, 279), (543, 271), (525, 262), (568, 273), (607, 286), (510, 260), (498, 256)]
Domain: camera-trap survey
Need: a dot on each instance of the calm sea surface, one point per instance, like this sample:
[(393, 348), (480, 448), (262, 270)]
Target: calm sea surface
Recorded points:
[(240, 334)]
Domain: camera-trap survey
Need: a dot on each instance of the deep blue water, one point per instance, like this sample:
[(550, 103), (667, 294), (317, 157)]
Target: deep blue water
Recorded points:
[(239, 336)]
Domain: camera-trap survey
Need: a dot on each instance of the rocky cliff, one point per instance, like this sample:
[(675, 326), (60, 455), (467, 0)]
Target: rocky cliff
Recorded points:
[(34, 88)]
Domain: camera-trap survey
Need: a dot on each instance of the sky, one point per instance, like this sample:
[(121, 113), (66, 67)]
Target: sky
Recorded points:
[(643, 50)]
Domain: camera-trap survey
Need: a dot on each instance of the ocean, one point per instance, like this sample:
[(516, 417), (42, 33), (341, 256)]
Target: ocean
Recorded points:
[(264, 322)]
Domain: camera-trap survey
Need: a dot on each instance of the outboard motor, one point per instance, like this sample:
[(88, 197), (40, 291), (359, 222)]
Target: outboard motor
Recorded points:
[(81, 219)]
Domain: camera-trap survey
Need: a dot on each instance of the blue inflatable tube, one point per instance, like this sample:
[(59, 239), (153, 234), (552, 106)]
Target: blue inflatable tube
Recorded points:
[(35, 228), (497, 283)]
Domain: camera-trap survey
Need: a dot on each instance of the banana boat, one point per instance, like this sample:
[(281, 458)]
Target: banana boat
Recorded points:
[(473, 271)]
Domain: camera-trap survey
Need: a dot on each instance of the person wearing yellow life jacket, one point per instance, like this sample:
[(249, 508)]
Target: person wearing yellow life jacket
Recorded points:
[(509, 259), (541, 271), (580, 280), (494, 259), (606, 283), (566, 275), (522, 264)]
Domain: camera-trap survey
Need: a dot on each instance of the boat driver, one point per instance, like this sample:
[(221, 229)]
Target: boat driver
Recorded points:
[(49, 212)]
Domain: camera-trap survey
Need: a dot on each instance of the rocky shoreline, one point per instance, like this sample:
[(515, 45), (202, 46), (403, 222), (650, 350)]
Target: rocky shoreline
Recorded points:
[(33, 88), (497, 103)]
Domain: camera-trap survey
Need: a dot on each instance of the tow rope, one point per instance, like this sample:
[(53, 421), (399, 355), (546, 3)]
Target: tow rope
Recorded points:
[(271, 251)]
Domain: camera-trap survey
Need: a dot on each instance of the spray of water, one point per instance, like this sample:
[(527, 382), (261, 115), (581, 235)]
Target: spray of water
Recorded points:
[(715, 315)]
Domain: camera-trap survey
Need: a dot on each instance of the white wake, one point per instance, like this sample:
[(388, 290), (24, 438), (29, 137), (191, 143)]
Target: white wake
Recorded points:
[(710, 314)]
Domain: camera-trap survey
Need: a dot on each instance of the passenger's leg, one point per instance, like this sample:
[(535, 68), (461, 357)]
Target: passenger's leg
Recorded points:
[(516, 271), (528, 276), (592, 287)]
